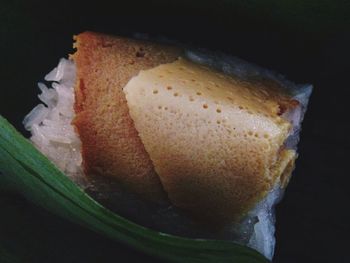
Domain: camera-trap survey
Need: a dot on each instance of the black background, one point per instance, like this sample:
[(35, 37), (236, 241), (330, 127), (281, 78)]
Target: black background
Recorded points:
[(308, 41)]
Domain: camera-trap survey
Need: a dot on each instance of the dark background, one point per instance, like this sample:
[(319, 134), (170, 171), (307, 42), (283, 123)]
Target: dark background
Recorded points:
[(307, 41)]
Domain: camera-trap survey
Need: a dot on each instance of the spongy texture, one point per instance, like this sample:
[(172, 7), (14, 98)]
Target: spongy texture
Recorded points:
[(215, 142), (110, 143)]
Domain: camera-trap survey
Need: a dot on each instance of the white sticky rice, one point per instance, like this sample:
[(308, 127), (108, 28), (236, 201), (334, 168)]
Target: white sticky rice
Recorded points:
[(54, 135), (50, 122)]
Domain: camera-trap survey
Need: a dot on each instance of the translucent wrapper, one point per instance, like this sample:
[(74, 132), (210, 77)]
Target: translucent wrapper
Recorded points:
[(54, 135)]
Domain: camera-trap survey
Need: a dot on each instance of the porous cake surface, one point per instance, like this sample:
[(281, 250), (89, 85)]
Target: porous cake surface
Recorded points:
[(216, 143)]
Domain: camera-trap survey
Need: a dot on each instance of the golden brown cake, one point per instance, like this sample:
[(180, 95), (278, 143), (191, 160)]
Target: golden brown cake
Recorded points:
[(110, 143), (163, 126)]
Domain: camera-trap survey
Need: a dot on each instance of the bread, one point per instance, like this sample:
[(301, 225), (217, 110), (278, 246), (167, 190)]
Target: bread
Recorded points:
[(110, 143), (216, 143)]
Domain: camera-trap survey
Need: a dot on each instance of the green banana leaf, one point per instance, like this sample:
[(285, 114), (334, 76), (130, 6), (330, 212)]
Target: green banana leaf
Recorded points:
[(33, 175)]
